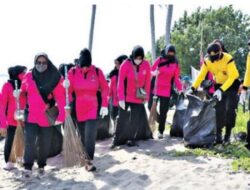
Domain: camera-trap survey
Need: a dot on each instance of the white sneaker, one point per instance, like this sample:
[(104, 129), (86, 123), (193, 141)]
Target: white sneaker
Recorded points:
[(9, 166), (25, 175), (41, 173), (160, 136)]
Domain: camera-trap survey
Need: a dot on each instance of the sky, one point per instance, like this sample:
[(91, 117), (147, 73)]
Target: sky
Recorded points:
[(61, 28)]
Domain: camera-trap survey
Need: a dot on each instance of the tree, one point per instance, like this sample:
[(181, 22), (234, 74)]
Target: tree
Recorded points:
[(152, 25), (168, 23), (229, 25), (91, 32)]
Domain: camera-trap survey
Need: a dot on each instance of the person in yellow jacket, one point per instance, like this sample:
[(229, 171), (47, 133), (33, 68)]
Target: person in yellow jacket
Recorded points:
[(225, 73), (246, 82)]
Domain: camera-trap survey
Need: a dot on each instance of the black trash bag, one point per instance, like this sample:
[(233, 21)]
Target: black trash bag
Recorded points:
[(132, 124), (199, 123), (176, 129), (56, 142)]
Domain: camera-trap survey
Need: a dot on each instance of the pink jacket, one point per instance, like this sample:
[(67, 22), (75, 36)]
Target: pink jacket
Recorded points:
[(86, 89), (126, 71), (166, 74), (8, 106), (113, 90), (36, 105)]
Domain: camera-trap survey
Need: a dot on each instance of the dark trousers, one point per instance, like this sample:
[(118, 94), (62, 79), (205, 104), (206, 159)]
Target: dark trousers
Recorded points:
[(88, 130), (226, 114), (8, 142), (114, 112), (164, 107), (37, 141)]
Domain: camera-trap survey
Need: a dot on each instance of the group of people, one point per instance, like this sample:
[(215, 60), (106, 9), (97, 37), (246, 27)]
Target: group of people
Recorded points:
[(132, 83)]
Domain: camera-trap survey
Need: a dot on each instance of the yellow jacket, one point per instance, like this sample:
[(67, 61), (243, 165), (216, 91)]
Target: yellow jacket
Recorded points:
[(247, 74), (223, 70)]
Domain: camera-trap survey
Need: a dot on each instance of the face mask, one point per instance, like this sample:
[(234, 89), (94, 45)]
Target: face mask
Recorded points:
[(214, 58), (137, 61), (171, 58), (41, 67)]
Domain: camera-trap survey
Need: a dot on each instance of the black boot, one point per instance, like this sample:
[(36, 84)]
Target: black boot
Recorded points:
[(227, 135)]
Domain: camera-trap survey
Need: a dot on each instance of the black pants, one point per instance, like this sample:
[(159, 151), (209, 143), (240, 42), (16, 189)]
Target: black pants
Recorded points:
[(226, 114), (114, 112), (164, 107), (8, 142), (88, 130), (37, 139)]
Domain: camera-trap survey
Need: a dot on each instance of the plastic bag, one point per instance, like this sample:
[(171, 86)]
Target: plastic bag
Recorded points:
[(178, 119), (199, 123)]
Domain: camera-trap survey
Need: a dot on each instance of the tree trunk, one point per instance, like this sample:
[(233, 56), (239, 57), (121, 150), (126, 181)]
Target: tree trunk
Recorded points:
[(152, 24), (92, 24), (168, 23)]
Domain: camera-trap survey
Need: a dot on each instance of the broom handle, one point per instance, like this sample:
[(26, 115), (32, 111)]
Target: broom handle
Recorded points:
[(17, 98), (66, 89), (155, 86)]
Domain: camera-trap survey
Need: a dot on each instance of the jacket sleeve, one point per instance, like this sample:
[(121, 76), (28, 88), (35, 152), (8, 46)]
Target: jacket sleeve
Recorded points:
[(155, 65), (247, 74), (201, 76), (177, 80), (121, 78), (71, 74), (232, 73), (3, 105), (147, 82), (103, 84), (59, 95)]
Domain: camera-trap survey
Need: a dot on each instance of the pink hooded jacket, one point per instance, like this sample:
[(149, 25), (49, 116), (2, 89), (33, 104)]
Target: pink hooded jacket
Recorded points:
[(127, 71), (165, 76), (113, 90), (8, 106), (36, 105), (85, 90)]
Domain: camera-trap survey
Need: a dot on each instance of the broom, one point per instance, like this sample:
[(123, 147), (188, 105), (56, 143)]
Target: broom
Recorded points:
[(17, 149), (153, 110), (73, 153)]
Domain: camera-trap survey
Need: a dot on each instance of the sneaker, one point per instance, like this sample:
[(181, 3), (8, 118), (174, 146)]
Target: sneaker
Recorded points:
[(160, 136), (41, 172), (90, 167), (25, 175), (9, 166)]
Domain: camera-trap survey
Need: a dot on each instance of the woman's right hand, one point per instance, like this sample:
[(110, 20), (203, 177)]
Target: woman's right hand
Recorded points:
[(3, 132)]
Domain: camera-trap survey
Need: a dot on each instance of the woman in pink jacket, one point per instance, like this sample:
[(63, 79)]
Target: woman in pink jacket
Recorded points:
[(43, 90), (167, 70), (8, 107), (85, 80), (113, 95), (132, 123)]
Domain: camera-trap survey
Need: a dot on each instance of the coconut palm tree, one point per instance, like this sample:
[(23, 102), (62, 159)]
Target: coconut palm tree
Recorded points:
[(152, 25), (92, 24)]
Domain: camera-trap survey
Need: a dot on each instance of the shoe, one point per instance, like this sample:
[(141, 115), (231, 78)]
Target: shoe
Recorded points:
[(41, 172), (9, 166), (160, 136), (26, 175), (112, 146), (131, 143), (90, 167)]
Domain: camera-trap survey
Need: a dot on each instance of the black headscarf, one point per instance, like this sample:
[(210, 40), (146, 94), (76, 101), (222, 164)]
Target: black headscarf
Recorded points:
[(221, 45), (62, 68), (85, 59), (115, 71), (13, 75), (170, 59), (47, 80)]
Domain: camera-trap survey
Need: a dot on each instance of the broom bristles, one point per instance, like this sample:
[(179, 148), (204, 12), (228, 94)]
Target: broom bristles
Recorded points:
[(73, 152), (152, 116), (17, 149)]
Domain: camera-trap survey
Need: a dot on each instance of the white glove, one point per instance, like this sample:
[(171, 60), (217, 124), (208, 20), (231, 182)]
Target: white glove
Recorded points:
[(66, 83), (122, 104), (16, 93), (243, 96), (104, 111), (155, 73), (218, 94)]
